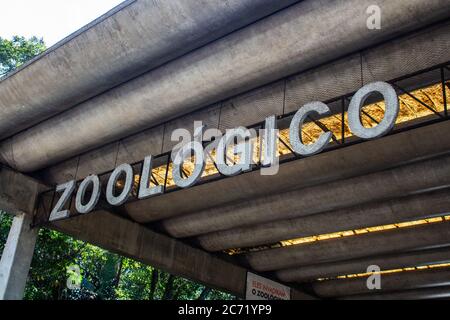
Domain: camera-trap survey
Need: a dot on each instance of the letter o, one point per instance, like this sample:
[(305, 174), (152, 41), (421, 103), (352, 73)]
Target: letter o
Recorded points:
[(111, 187), (85, 208), (390, 114), (199, 164)]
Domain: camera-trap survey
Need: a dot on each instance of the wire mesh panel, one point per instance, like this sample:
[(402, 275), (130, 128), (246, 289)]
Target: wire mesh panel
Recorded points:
[(252, 107)]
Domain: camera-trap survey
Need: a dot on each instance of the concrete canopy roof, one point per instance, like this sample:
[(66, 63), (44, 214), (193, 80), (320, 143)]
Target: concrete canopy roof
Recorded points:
[(131, 39), (392, 179), (216, 71)]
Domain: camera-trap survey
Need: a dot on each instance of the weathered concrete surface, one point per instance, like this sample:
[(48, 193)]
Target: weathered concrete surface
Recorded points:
[(387, 262), (355, 247), (133, 38), (415, 294), (390, 60), (137, 242), (405, 55), (267, 50), (18, 193), (347, 162), (389, 282), (366, 215), (397, 182), (16, 258)]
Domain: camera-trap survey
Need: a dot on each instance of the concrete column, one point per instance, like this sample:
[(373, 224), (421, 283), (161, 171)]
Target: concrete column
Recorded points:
[(16, 258)]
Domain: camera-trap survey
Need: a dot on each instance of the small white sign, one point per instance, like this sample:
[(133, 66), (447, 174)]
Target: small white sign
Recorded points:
[(259, 288)]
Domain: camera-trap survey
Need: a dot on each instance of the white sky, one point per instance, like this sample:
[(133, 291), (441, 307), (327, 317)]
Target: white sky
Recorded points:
[(50, 19)]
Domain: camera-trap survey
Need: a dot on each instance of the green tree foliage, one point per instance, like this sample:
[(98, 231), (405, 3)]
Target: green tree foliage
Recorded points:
[(5, 224), (17, 51), (53, 254), (104, 275)]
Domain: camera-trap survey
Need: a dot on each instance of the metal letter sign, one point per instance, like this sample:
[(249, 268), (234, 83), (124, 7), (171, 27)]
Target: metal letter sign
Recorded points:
[(238, 142), (85, 208), (391, 110), (296, 124)]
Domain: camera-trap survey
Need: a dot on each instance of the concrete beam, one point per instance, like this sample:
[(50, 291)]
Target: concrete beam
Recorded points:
[(284, 42), (18, 193), (137, 242), (16, 258), (402, 181), (417, 294), (355, 247), (389, 282), (110, 232), (351, 161), (358, 266), (111, 50), (393, 59), (366, 215)]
